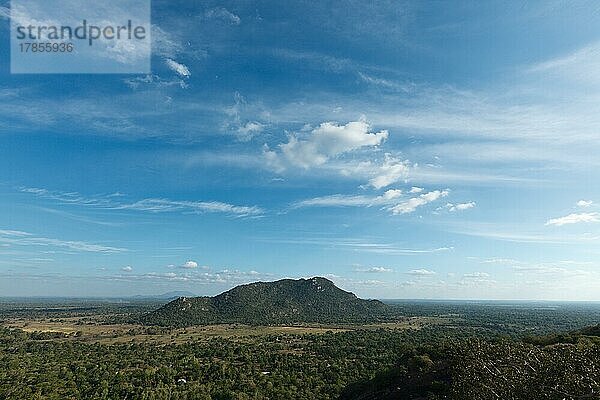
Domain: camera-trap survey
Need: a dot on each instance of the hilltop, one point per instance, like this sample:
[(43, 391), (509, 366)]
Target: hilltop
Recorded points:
[(285, 301)]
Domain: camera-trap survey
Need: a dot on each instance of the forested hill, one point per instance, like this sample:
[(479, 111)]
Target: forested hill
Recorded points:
[(265, 303)]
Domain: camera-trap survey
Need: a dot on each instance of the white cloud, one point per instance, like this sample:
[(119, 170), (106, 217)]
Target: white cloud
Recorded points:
[(386, 83), (323, 143), (574, 219), (392, 170), (415, 189), (223, 14), (136, 82), (245, 119), (112, 202), (127, 269), (460, 206), (374, 270), (391, 200), (190, 265), (339, 200), (360, 245), (247, 131), (180, 69), (584, 203), (20, 238), (196, 207), (581, 65), (421, 272), (412, 204), (476, 275), (562, 269), (225, 276)]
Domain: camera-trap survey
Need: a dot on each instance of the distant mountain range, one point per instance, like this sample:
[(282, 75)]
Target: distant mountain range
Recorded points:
[(165, 296), (286, 301)]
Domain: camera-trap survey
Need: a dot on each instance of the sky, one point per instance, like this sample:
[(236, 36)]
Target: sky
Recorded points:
[(444, 150)]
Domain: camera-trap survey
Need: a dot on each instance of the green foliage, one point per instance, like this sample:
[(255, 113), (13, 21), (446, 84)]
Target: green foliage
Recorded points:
[(479, 353), (276, 367), (269, 303)]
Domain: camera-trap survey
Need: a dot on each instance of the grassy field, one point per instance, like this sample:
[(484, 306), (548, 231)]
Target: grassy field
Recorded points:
[(92, 330)]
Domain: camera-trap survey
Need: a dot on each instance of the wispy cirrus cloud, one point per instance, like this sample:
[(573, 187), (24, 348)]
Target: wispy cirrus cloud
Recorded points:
[(411, 205), (152, 205), (373, 270), (138, 82), (338, 200), (194, 207), (421, 272), (575, 218), (546, 269), (581, 65), (392, 200), (360, 245), (20, 238)]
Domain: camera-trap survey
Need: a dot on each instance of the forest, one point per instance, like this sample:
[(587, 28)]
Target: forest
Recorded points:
[(436, 351)]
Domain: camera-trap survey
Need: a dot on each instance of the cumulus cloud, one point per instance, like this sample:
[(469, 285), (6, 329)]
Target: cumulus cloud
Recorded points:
[(584, 203), (327, 141), (574, 219), (459, 206), (180, 69), (413, 203), (421, 272), (190, 265)]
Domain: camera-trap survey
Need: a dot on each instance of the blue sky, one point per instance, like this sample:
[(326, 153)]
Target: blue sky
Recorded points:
[(402, 149)]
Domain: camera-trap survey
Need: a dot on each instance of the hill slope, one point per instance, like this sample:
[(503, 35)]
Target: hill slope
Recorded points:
[(266, 303)]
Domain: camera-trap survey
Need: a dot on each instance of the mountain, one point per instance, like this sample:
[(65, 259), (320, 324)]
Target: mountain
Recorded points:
[(266, 303)]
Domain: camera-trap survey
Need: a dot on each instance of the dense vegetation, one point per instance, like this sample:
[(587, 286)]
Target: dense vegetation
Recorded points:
[(509, 317), (490, 369), (264, 303), (364, 364), (460, 351)]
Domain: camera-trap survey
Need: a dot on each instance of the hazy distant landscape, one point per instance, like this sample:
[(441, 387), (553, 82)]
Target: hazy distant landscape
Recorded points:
[(404, 349)]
